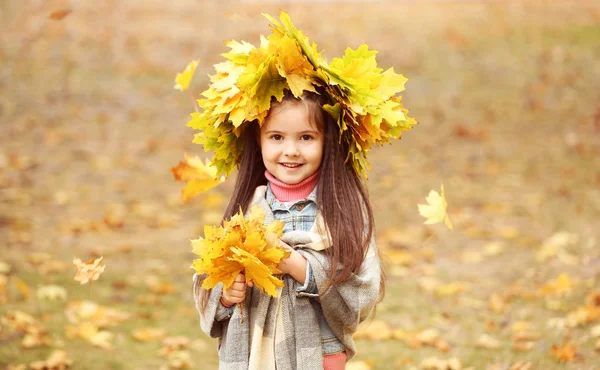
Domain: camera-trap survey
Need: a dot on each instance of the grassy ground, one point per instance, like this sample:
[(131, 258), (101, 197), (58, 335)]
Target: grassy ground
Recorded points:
[(509, 110)]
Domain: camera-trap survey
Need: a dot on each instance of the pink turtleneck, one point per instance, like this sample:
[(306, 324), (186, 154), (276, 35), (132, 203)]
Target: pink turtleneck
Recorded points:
[(289, 192)]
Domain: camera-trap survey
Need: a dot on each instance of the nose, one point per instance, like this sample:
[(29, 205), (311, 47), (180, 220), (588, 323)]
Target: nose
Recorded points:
[(291, 149)]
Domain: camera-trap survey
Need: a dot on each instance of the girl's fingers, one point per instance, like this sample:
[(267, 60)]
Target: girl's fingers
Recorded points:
[(239, 286), (250, 283), (241, 278)]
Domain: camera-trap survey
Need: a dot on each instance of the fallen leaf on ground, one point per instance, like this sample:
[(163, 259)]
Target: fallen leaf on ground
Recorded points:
[(51, 293), (148, 334), (58, 360), (560, 286), (565, 352), (433, 363), (488, 342), (374, 330), (34, 334)]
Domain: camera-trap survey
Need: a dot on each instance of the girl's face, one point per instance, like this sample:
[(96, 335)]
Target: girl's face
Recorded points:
[(291, 147)]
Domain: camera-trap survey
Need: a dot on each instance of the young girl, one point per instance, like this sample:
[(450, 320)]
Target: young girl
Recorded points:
[(301, 163)]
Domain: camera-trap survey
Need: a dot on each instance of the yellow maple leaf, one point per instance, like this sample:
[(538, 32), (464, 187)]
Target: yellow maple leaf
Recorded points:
[(88, 271), (435, 211), (562, 285), (241, 245), (200, 177), (182, 80)]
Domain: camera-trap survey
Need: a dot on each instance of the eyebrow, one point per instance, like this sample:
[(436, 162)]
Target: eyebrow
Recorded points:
[(301, 132)]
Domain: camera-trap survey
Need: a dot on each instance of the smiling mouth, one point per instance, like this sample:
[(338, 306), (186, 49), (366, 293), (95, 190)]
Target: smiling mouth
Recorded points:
[(291, 165)]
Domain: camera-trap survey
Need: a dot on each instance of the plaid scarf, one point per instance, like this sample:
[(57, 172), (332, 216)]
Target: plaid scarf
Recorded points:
[(283, 333)]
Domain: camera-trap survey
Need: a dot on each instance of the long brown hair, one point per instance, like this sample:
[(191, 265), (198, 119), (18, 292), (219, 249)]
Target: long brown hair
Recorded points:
[(342, 197)]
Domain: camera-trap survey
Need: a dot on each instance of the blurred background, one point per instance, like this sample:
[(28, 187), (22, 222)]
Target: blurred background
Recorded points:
[(506, 93)]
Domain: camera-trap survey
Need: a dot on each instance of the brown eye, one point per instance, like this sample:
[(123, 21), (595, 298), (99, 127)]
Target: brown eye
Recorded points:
[(306, 137), (276, 137)]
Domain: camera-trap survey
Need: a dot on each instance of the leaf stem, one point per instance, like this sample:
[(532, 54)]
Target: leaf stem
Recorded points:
[(193, 101)]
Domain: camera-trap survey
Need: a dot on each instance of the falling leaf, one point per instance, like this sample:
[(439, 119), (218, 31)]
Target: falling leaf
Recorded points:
[(565, 352), (435, 210), (59, 14), (51, 293), (200, 177), (88, 271), (182, 80)]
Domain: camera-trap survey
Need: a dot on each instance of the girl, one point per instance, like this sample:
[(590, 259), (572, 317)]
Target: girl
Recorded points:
[(299, 130), (294, 168)]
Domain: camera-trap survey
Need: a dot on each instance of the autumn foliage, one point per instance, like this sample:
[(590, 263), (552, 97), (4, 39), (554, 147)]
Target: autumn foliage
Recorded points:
[(241, 245)]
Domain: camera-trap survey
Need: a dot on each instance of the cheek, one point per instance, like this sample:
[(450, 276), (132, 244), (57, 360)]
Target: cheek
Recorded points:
[(267, 151), (317, 152)]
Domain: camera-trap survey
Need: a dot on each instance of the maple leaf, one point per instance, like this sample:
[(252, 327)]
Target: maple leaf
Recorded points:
[(88, 271), (293, 65), (241, 245), (562, 285), (200, 177), (182, 80), (51, 293), (565, 352), (435, 211), (57, 360)]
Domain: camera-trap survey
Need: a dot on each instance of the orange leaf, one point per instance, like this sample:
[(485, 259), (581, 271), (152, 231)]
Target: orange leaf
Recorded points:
[(59, 14), (200, 177), (564, 353)]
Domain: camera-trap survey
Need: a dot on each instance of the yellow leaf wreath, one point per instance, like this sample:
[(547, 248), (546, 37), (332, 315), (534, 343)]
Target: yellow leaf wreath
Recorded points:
[(362, 97)]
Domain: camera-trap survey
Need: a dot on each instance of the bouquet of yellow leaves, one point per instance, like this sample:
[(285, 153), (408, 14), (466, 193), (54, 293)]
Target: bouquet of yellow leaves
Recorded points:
[(241, 245)]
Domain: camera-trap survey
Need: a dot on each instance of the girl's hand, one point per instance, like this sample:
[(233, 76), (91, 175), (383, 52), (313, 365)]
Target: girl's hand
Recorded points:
[(294, 265), (236, 292)]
